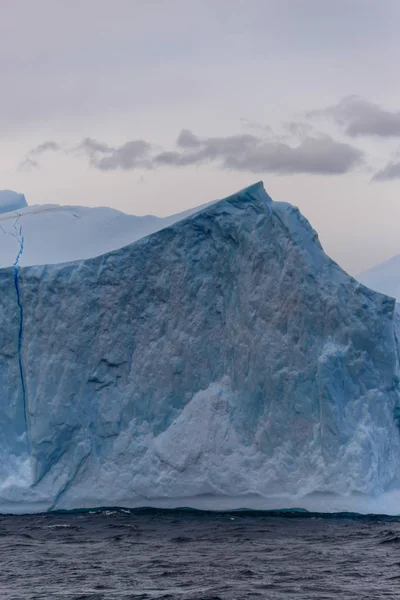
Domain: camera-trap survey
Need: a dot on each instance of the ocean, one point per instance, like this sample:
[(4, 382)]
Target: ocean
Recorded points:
[(148, 554)]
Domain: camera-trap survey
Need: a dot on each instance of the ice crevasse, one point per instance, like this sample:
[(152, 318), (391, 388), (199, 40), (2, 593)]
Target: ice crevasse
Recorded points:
[(223, 361)]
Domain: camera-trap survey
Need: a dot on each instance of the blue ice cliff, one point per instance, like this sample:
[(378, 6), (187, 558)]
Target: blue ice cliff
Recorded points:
[(221, 359)]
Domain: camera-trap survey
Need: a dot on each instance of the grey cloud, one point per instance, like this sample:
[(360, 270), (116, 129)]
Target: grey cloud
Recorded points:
[(243, 152), (187, 139), (315, 156), (320, 155), (204, 150), (31, 162), (219, 147), (28, 164), (177, 159), (360, 117), (391, 171), (45, 147), (129, 156), (91, 146)]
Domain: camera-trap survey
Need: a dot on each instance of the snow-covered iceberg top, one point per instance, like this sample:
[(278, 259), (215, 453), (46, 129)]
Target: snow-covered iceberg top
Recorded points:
[(222, 361), (56, 234)]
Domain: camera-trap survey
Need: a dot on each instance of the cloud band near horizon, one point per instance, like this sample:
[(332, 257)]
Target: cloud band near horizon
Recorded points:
[(316, 155)]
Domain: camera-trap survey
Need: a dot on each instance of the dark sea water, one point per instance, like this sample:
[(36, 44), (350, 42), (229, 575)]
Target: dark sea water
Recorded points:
[(146, 554)]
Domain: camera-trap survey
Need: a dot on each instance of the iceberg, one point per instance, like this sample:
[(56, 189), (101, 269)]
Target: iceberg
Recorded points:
[(223, 361), (384, 277), (11, 201)]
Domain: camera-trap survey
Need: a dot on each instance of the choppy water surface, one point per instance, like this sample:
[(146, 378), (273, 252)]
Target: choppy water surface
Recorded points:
[(147, 554)]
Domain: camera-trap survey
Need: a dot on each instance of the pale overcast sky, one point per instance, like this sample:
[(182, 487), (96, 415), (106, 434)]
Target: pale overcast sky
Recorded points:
[(154, 107)]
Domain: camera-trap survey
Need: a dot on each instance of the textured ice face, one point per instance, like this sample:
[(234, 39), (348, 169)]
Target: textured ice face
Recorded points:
[(224, 356)]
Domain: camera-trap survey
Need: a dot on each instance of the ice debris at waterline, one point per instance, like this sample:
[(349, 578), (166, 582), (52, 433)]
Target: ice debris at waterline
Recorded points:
[(222, 361)]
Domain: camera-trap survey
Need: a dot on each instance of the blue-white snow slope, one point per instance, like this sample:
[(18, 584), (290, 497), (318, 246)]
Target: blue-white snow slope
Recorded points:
[(224, 361)]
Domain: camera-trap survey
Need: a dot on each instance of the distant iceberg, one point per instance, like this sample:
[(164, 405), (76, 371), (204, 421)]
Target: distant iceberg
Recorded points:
[(384, 277), (10, 201), (223, 361)]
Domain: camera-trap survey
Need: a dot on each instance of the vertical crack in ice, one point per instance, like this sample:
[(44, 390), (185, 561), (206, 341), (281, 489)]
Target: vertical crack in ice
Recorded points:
[(396, 329), (19, 237)]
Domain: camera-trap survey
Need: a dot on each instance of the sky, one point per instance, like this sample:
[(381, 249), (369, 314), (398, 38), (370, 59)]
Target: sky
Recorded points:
[(155, 106)]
